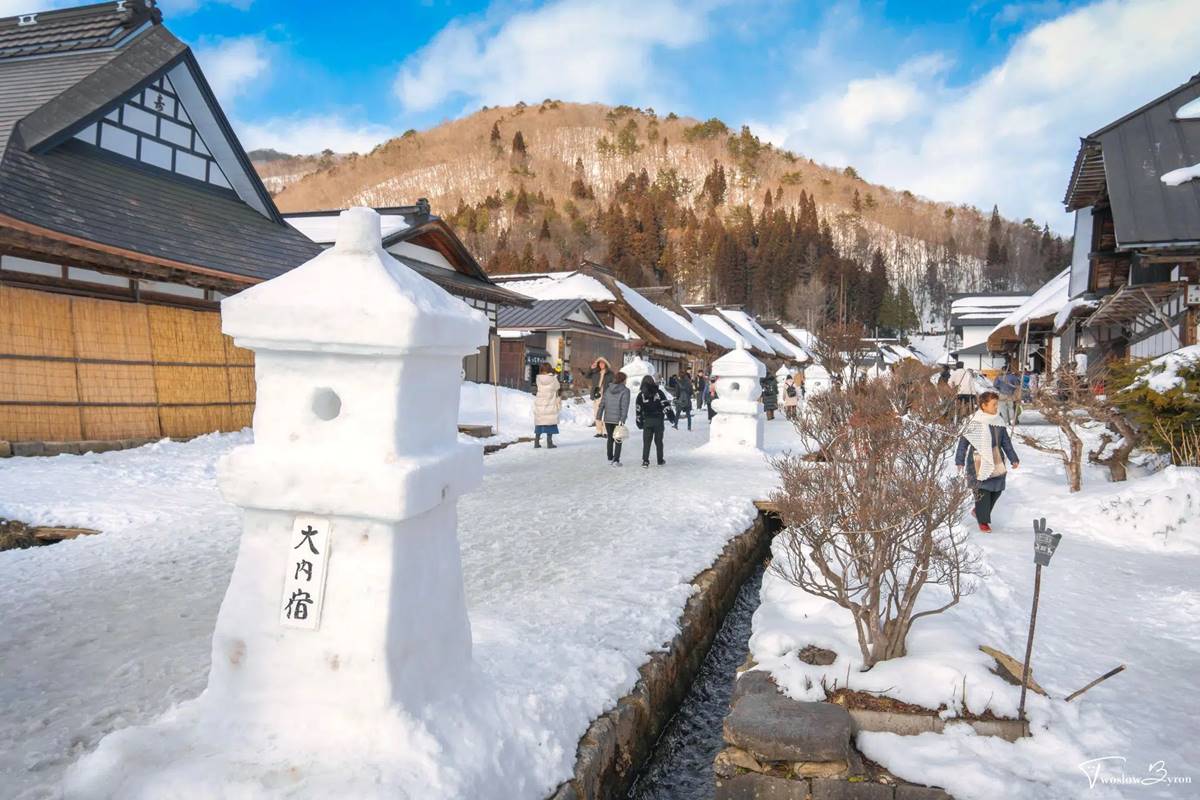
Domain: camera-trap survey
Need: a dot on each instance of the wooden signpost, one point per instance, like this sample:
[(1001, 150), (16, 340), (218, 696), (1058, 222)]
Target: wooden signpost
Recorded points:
[(1045, 542)]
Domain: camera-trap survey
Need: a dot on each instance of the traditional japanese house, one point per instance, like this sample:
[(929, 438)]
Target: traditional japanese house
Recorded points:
[(734, 323), (1134, 286), (128, 209), (649, 331), (428, 245), (972, 319), (1026, 335), (716, 342), (565, 333)]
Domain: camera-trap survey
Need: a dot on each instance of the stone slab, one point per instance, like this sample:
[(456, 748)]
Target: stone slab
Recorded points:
[(26, 449), (761, 787), (827, 789), (910, 792), (5, 449), (60, 448), (756, 681), (776, 728)]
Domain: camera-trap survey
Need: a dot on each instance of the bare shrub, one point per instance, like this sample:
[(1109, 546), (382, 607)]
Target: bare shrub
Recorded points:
[(875, 520), (1067, 401)]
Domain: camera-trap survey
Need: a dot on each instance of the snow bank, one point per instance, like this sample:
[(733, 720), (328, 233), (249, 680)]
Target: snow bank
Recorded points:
[(477, 406), (1180, 176), (1162, 374)]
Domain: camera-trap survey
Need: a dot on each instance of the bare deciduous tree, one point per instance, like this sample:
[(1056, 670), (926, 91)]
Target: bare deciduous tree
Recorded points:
[(874, 520), (836, 348)]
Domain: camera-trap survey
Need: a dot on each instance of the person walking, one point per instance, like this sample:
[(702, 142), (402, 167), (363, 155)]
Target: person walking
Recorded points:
[(770, 393), (613, 411), (546, 405), (1008, 387), (791, 397), (982, 449), (710, 394), (652, 411), (601, 376), (701, 390), (683, 399)]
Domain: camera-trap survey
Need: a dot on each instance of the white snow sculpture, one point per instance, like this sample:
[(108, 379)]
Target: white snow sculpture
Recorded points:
[(635, 370), (781, 376), (354, 357), (345, 614), (739, 419), (816, 379)]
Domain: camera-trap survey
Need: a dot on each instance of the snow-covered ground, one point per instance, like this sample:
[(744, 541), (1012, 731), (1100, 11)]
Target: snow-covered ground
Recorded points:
[(1122, 589), (574, 572)]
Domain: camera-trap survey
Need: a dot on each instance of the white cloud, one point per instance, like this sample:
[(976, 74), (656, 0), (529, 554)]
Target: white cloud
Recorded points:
[(312, 134), (588, 50), (234, 65), (1010, 136)]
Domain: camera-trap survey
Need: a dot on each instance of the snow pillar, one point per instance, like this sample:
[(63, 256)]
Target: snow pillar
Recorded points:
[(349, 571), (636, 369), (739, 420)]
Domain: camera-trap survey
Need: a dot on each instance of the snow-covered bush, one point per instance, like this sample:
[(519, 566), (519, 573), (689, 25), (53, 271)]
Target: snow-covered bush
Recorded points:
[(871, 514), (1162, 397)]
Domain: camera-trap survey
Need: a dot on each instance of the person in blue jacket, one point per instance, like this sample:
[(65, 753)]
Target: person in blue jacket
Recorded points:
[(982, 449)]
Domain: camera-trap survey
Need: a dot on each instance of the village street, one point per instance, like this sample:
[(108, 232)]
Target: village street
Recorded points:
[(574, 572)]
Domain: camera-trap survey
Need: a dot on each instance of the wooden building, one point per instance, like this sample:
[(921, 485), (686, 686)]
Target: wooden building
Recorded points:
[(565, 333), (648, 330), (1134, 286), (128, 209), (973, 317), (425, 243)]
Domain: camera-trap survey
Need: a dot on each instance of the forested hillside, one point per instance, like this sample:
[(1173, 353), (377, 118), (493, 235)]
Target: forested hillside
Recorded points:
[(717, 213)]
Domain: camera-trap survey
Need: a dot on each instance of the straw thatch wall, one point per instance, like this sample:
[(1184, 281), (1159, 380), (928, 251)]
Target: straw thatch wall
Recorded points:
[(78, 368)]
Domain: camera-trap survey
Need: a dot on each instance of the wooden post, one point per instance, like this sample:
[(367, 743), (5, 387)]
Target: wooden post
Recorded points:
[(1037, 590)]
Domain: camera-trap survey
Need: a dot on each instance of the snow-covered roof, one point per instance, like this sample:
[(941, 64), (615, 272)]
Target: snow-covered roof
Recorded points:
[(711, 333), (1044, 303), (747, 329), (721, 325), (665, 321), (786, 348), (984, 310), (558, 286), (1068, 311), (801, 335), (322, 228)]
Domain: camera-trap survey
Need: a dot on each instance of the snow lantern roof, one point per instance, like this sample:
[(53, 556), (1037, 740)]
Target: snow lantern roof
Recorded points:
[(738, 363), (355, 298), (322, 228), (1042, 306), (558, 286)]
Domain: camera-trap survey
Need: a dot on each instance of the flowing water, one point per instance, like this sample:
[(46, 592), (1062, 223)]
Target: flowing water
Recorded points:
[(681, 767)]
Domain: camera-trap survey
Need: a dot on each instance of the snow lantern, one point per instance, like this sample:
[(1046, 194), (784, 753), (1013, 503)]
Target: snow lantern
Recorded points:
[(739, 419), (349, 564), (636, 369), (816, 379)]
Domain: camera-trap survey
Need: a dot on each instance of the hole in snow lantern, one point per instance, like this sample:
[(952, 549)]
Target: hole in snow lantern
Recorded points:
[(326, 404)]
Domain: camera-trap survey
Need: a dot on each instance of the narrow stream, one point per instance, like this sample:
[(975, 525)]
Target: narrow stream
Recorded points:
[(681, 767)]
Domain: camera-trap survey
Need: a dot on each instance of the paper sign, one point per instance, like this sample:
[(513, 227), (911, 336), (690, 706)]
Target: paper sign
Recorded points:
[(304, 574)]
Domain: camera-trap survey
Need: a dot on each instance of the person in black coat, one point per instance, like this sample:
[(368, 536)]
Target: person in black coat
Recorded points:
[(770, 393), (986, 429), (652, 411)]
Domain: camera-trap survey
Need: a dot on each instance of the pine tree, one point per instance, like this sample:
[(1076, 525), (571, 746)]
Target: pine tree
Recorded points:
[(856, 203), (496, 142), (995, 265), (544, 233), (521, 208), (518, 145)]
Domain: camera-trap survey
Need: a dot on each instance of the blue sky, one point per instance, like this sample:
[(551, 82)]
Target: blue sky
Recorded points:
[(976, 101)]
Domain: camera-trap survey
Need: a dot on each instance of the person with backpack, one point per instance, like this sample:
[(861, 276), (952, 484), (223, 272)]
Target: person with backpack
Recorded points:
[(982, 448), (612, 412), (546, 406), (652, 411), (683, 399), (770, 393), (791, 397)]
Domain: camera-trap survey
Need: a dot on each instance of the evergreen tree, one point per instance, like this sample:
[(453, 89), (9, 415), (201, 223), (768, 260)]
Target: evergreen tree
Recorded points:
[(544, 233), (518, 144), (995, 267), (856, 203), (495, 138), (521, 208)]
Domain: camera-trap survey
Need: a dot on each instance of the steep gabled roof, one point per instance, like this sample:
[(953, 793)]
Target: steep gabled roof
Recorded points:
[(546, 315), (1125, 161), (62, 72)]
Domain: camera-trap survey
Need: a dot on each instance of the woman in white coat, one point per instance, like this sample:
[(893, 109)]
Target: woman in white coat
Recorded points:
[(546, 406)]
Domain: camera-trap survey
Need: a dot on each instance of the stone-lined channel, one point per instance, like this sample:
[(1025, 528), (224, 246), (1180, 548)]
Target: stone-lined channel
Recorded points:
[(681, 767)]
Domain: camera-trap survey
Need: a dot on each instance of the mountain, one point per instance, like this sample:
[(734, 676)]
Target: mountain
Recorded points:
[(668, 200)]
